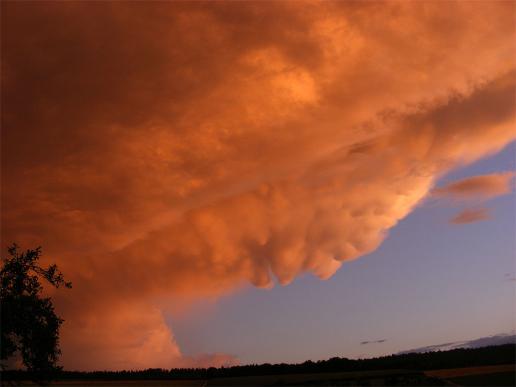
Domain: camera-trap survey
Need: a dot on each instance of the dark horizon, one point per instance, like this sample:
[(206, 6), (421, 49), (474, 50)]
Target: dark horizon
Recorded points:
[(455, 358)]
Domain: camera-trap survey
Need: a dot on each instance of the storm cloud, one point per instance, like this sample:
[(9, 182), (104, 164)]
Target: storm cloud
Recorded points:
[(168, 151)]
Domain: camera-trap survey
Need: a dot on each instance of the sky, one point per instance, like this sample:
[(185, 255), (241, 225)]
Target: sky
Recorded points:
[(430, 282), (232, 182)]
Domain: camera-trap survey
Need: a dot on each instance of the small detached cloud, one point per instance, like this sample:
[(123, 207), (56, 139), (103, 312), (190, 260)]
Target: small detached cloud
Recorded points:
[(477, 187), (470, 216), (373, 342), (510, 277)]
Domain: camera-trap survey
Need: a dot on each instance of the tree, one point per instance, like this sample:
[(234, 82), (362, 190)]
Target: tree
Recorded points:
[(29, 325)]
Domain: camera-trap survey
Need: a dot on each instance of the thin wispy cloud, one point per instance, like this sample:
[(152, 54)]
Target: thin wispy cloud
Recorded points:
[(373, 342), (510, 277)]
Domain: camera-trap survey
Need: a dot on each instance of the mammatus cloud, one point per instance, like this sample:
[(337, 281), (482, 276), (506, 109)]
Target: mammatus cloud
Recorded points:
[(470, 215), (479, 187), (177, 150)]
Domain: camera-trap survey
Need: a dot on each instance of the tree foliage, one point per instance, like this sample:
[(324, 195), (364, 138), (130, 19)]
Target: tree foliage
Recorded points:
[(29, 324)]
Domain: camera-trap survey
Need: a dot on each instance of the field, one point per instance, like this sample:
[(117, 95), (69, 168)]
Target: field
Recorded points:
[(391, 377), (128, 383), (501, 375)]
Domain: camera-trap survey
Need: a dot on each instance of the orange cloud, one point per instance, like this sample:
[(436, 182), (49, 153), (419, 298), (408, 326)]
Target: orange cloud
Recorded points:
[(179, 150), (484, 186), (130, 335), (470, 216)]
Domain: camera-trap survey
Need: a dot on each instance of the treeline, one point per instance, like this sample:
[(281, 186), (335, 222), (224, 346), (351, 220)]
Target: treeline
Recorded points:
[(456, 358)]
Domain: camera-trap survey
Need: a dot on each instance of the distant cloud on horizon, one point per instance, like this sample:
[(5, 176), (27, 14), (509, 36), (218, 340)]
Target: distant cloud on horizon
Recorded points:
[(503, 338)]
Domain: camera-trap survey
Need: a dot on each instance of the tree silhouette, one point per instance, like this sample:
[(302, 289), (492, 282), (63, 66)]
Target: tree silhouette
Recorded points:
[(29, 325)]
